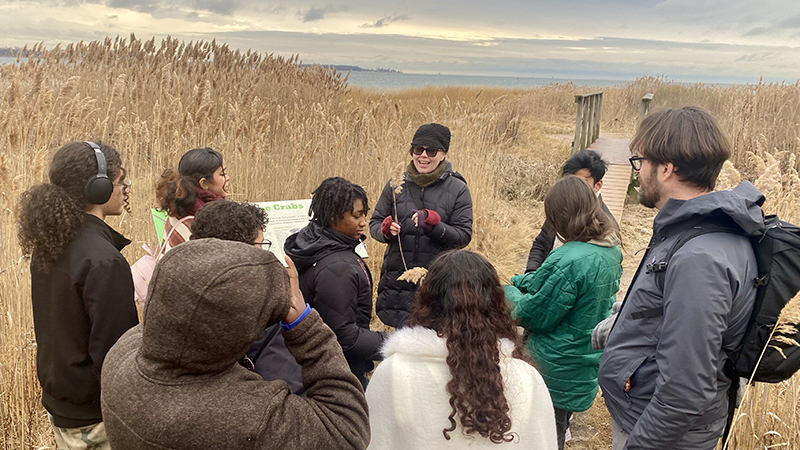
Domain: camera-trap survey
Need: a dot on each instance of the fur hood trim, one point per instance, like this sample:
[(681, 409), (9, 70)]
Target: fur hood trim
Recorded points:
[(420, 341)]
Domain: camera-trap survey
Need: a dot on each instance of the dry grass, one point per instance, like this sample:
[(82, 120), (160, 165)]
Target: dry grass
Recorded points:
[(283, 128)]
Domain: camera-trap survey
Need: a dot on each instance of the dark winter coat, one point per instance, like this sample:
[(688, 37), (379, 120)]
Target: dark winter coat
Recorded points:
[(174, 382), (662, 369), (545, 240), (337, 283), (273, 361), (448, 196), (81, 306)]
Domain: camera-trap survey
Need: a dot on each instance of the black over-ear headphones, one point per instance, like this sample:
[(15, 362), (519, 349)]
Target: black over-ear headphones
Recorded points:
[(98, 189)]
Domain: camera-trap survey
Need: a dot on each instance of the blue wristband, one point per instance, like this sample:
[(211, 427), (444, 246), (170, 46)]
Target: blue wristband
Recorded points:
[(289, 326)]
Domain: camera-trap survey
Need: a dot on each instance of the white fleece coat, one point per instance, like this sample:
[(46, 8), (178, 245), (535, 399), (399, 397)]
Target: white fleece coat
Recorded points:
[(409, 406)]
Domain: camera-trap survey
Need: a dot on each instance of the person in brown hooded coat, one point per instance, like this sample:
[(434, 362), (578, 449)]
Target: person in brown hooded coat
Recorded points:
[(173, 382)]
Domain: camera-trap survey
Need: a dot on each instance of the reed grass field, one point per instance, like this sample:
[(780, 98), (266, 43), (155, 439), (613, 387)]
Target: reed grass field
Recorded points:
[(283, 127)]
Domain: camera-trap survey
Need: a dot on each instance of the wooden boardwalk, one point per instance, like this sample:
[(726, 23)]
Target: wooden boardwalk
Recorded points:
[(618, 175)]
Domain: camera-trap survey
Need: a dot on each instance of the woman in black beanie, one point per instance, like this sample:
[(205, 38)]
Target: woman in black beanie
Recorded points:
[(427, 212)]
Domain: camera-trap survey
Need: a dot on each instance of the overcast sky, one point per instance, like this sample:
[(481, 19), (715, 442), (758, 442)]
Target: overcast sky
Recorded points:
[(684, 40)]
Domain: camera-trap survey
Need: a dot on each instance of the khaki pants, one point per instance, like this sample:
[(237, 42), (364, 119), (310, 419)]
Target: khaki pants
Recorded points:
[(91, 437)]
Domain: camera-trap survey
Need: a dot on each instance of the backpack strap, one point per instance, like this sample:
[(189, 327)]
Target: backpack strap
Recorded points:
[(169, 235), (659, 268)]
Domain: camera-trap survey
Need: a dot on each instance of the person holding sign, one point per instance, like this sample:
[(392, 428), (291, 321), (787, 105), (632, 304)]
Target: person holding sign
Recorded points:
[(200, 178), (421, 213), (333, 278)]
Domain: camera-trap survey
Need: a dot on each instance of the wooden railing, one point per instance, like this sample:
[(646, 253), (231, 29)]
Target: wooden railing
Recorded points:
[(587, 122), (644, 107)]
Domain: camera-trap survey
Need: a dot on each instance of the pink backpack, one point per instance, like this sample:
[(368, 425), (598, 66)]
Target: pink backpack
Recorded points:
[(142, 269)]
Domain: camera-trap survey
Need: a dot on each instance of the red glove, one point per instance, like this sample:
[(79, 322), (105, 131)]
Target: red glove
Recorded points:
[(427, 219), (386, 224)]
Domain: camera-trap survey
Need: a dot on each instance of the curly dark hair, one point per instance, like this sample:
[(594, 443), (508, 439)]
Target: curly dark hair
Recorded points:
[(176, 191), (334, 197), (462, 300), (230, 221), (51, 214), (574, 212)]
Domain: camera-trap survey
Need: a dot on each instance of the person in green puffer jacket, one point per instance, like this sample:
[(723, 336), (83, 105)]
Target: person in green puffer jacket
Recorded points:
[(560, 304)]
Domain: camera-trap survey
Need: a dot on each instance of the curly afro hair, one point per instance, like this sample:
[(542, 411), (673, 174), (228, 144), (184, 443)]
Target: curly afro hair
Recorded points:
[(230, 221)]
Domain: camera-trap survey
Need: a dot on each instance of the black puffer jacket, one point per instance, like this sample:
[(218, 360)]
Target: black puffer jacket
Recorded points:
[(448, 196), (336, 282)]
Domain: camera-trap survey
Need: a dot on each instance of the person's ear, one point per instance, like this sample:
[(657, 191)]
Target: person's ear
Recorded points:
[(201, 181), (667, 171), (598, 186)]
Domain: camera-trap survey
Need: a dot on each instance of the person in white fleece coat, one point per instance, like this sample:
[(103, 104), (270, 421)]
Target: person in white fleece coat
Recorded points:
[(458, 376)]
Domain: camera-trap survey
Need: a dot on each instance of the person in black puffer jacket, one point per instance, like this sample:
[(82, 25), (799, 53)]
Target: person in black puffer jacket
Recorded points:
[(434, 214), (333, 278)]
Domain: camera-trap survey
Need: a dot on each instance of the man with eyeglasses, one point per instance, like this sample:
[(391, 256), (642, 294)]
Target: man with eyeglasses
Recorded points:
[(662, 369), (244, 222), (591, 168)]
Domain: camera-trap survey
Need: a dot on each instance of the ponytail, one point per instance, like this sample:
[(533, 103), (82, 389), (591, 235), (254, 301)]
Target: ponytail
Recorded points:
[(176, 194)]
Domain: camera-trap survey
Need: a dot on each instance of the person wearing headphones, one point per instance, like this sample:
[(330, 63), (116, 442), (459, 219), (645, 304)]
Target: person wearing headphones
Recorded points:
[(81, 286)]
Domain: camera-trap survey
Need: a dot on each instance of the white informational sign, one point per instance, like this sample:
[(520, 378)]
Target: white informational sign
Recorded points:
[(287, 217)]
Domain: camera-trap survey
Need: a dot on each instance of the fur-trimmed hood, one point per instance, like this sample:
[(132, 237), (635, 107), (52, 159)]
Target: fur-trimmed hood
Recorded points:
[(420, 341)]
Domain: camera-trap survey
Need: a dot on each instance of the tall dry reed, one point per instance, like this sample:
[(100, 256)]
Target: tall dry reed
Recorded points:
[(282, 128)]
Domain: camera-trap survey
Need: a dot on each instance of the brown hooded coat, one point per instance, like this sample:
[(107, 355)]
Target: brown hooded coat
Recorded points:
[(173, 382)]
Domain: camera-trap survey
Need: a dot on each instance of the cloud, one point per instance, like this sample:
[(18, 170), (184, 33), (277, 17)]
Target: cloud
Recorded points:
[(761, 56), (758, 31), (380, 23), (318, 13), (791, 22)]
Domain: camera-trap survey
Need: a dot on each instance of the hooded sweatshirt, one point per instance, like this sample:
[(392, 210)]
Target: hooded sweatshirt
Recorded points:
[(336, 282), (173, 382), (662, 369), (559, 305)]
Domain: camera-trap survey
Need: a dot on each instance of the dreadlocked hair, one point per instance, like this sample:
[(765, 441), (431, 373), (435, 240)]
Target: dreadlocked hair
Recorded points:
[(176, 190), (230, 221), (51, 214), (462, 300), (334, 197)]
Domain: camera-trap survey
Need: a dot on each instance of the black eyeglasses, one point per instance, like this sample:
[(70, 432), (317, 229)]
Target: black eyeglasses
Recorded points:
[(636, 162), (265, 244), (418, 150)]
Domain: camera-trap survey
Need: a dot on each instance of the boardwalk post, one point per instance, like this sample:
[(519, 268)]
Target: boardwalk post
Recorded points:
[(599, 109), (644, 107), (576, 143), (587, 120)]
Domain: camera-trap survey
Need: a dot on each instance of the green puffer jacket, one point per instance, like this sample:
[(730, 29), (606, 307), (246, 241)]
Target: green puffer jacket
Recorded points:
[(559, 305)]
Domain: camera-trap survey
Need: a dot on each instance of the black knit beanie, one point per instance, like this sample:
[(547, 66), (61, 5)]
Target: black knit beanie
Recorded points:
[(432, 135)]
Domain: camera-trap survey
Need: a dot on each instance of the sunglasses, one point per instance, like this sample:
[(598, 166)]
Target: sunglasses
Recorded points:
[(418, 150)]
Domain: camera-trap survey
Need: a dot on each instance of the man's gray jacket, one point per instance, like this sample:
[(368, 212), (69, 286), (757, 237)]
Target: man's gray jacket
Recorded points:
[(662, 369)]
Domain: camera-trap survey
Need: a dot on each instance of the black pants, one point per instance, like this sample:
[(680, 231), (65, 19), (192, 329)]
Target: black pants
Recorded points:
[(562, 423)]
